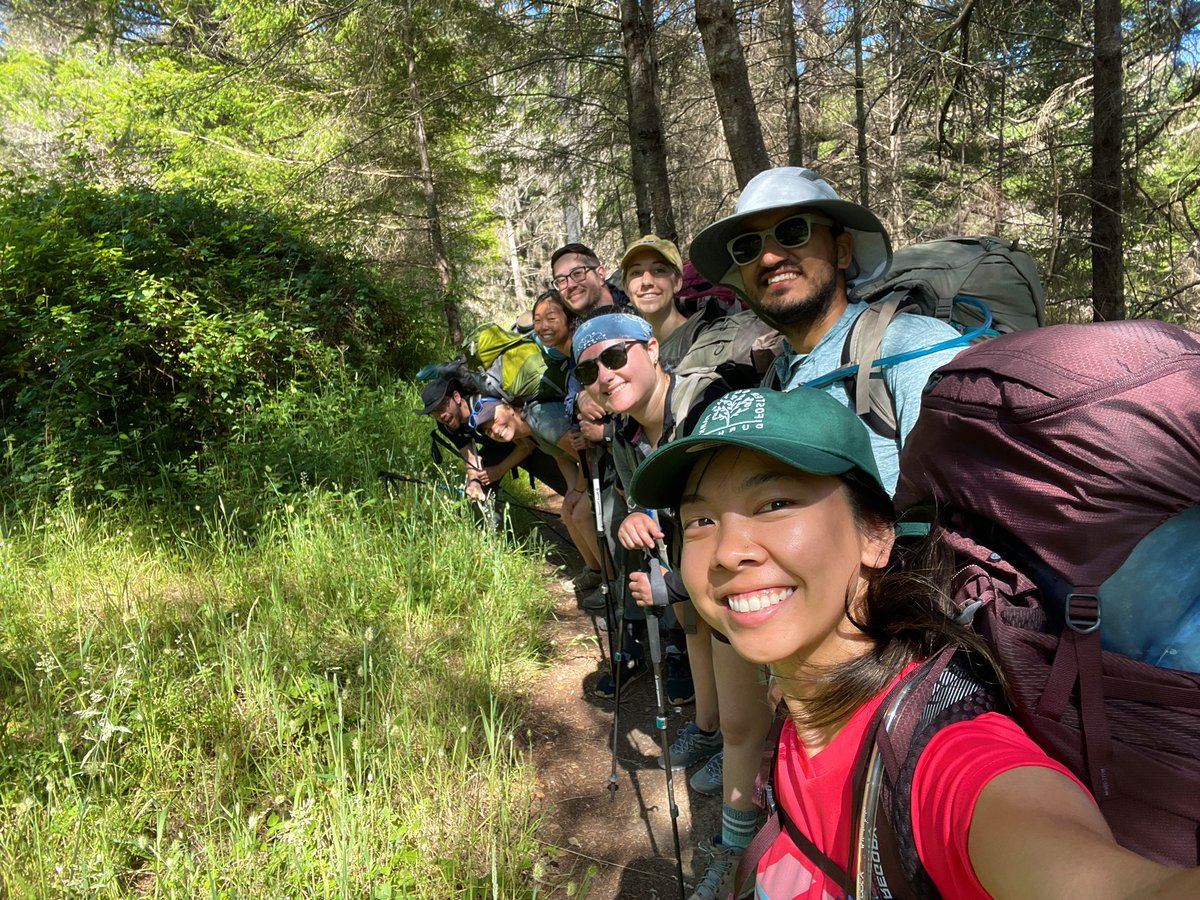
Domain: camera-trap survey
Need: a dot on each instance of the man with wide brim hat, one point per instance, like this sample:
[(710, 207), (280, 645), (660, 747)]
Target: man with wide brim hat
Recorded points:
[(798, 254), (786, 188)]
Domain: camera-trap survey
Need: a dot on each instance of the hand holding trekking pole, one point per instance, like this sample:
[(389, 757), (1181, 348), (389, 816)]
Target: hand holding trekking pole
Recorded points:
[(639, 532), (641, 588)]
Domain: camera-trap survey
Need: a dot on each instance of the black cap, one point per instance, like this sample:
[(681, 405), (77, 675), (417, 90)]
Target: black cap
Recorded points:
[(434, 395)]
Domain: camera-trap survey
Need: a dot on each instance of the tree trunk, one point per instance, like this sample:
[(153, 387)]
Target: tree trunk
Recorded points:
[(1108, 283), (445, 269), (731, 84), (572, 217), (520, 292), (860, 107), (646, 143), (791, 82), (896, 206)]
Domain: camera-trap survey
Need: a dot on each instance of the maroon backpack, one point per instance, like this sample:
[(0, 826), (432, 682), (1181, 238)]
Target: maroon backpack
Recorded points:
[(1048, 456)]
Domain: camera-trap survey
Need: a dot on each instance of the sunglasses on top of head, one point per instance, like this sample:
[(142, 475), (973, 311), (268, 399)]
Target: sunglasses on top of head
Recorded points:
[(614, 357), (789, 233), (476, 408)]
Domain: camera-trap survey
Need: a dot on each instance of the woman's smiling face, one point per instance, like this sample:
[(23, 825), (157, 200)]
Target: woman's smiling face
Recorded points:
[(770, 556), (550, 323), (625, 388), (506, 425)]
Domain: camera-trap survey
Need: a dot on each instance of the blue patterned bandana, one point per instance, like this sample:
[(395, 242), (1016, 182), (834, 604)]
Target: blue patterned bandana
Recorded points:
[(617, 326)]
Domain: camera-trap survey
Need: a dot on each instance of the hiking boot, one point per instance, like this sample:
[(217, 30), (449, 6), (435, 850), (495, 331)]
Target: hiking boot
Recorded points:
[(691, 746), (587, 580), (606, 688), (680, 691), (708, 780), (720, 875), (592, 601)]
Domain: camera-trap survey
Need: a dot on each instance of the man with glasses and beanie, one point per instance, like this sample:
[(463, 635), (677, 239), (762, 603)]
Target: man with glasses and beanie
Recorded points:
[(796, 253)]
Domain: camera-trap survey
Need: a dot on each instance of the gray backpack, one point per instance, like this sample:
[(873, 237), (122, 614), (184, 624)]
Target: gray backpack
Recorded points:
[(740, 347), (982, 285)]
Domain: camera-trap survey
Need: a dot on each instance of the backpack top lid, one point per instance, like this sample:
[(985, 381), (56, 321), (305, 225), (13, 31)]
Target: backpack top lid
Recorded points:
[(1077, 439)]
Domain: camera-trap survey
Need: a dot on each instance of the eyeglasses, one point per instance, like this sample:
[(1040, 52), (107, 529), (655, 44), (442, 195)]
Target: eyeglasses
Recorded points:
[(476, 408), (792, 232), (614, 357), (576, 276)]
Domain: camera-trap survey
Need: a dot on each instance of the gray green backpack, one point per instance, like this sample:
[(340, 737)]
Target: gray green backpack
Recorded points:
[(983, 285), (740, 347)]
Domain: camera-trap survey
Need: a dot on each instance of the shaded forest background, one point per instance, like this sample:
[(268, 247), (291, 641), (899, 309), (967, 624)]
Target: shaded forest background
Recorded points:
[(209, 204)]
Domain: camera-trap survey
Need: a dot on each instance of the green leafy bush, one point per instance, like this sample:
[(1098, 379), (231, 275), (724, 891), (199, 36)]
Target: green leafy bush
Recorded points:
[(138, 327)]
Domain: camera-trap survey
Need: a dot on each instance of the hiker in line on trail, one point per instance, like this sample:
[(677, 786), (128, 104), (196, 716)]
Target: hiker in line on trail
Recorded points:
[(553, 325), (579, 276), (795, 252), (619, 366), (652, 274), (448, 399), (790, 548), (577, 272), (511, 423)]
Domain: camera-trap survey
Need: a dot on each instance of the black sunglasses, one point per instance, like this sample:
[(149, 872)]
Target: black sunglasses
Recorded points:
[(614, 357), (792, 232)]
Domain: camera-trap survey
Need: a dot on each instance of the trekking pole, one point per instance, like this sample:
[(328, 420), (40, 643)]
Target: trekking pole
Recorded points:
[(614, 607), (658, 590), (592, 465)]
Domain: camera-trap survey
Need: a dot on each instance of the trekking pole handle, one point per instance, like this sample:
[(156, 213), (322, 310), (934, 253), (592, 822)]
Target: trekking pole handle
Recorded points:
[(658, 587)]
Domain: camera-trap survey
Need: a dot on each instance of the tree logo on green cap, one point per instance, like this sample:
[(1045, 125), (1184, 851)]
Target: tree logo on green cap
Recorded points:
[(739, 411)]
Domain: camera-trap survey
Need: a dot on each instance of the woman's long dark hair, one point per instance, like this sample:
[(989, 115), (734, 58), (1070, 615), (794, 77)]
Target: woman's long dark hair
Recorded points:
[(906, 611)]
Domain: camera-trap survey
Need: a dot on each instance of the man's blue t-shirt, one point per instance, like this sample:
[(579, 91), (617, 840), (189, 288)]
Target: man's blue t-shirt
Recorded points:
[(905, 380)]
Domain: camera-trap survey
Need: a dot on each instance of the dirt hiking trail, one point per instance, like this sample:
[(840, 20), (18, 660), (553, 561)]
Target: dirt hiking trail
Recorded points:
[(601, 844)]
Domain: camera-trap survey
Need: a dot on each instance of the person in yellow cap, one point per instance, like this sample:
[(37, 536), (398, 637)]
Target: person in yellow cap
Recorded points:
[(651, 275)]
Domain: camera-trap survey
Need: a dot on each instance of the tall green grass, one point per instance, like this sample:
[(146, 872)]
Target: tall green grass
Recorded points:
[(289, 684)]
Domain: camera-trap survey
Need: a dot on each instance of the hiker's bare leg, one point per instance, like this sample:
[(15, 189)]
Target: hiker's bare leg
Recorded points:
[(576, 514), (745, 722), (700, 659)]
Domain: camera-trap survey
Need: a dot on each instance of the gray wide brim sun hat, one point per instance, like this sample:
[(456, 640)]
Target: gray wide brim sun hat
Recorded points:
[(804, 428), (783, 188)]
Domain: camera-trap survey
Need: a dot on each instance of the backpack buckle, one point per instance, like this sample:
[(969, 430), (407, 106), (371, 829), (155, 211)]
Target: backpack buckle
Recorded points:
[(1083, 612)]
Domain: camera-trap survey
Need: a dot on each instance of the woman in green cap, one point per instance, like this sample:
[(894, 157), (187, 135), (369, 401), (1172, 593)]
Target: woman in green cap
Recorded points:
[(790, 549)]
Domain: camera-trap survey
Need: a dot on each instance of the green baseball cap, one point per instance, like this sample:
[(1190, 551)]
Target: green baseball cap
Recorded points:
[(805, 428)]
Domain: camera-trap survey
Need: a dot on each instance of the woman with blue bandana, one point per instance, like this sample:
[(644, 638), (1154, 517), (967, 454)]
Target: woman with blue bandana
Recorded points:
[(618, 364)]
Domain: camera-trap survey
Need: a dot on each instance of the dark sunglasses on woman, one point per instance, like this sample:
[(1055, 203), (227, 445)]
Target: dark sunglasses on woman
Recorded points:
[(614, 357)]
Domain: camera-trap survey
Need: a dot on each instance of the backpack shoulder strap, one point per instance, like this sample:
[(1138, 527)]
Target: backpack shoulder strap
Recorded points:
[(867, 386), (949, 688), (778, 822)]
